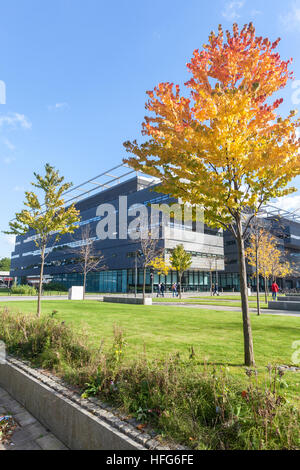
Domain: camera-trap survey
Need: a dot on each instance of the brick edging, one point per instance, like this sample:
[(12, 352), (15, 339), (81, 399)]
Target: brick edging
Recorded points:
[(92, 406)]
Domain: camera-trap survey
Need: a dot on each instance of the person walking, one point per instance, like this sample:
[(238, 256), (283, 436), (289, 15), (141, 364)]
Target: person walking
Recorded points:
[(162, 289), (275, 290), (158, 289), (216, 289), (173, 289), (176, 289)]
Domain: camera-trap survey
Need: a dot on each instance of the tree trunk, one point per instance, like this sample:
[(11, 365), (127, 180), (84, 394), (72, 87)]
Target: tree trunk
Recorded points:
[(180, 277), (266, 293), (144, 284), (257, 281), (41, 281), (135, 275), (248, 341), (84, 284), (210, 280)]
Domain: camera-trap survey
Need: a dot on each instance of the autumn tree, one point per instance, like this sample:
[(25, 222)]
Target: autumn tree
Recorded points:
[(258, 255), (269, 261), (255, 241), (46, 216), (224, 147), (88, 259), (181, 261), (159, 265), (150, 253), (280, 267)]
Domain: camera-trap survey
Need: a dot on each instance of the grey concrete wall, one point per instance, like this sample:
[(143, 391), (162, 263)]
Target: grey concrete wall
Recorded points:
[(128, 300), (280, 305), (74, 425), (290, 298)]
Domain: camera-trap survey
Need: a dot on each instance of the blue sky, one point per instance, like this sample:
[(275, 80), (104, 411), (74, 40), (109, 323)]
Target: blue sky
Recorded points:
[(76, 72)]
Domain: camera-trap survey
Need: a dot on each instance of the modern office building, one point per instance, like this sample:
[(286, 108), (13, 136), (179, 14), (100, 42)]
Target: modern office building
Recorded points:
[(121, 195), (285, 227)]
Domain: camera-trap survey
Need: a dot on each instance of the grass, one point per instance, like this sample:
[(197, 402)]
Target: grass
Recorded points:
[(202, 407), (181, 370), (210, 301), (161, 330), (7, 292)]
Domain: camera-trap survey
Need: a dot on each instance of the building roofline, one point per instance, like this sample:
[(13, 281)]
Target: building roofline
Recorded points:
[(122, 173)]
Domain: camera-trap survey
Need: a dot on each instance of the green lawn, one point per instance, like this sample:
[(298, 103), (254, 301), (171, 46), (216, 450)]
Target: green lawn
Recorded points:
[(6, 292), (216, 336), (229, 301)]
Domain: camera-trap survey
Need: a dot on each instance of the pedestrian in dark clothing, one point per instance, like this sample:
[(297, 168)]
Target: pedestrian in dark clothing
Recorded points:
[(158, 289), (216, 289)]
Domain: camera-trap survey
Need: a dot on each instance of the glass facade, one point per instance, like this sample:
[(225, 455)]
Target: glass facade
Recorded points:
[(124, 280)]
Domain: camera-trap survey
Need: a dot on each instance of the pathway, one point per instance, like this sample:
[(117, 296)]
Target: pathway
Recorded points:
[(29, 433), (228, 308)]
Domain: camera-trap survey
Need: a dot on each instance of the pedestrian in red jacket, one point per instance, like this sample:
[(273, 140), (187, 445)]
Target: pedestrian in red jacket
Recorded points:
[(275, 290)]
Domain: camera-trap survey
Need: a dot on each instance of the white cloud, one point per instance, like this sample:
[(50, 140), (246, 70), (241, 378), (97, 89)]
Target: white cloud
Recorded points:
[(18, 188), (290, 20), (10, 239), (58, 106), (14, 120), (7, 243), (156, 35), (288, 203), (256, 13), (231, 11), (9, 145), (8, 160)]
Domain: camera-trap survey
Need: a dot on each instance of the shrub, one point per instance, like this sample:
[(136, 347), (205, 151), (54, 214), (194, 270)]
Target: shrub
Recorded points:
[(204, 408), (54, 286), (23, 289), (43, 339)]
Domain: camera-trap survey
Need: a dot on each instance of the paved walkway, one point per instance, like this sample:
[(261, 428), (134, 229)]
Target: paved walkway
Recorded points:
[(29, 433), (228, 308)]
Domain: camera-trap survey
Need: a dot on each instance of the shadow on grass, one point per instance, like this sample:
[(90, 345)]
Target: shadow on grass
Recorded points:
[(225, 364)]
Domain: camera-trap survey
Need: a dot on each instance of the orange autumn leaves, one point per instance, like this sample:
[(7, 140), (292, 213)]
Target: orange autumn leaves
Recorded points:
[(223, 146)]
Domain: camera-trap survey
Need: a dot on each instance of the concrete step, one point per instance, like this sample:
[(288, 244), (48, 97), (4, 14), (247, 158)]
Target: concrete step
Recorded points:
[(284, 305), (290, 298)]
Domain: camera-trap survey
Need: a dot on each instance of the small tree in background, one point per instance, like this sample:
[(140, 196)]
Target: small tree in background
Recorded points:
[(181, 261), (4, 264), (258, 254), (256, 240), (160, 266), (211, 263), (87, 258), (265, 256), (46, 216), (149, 252), (280, 267)]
